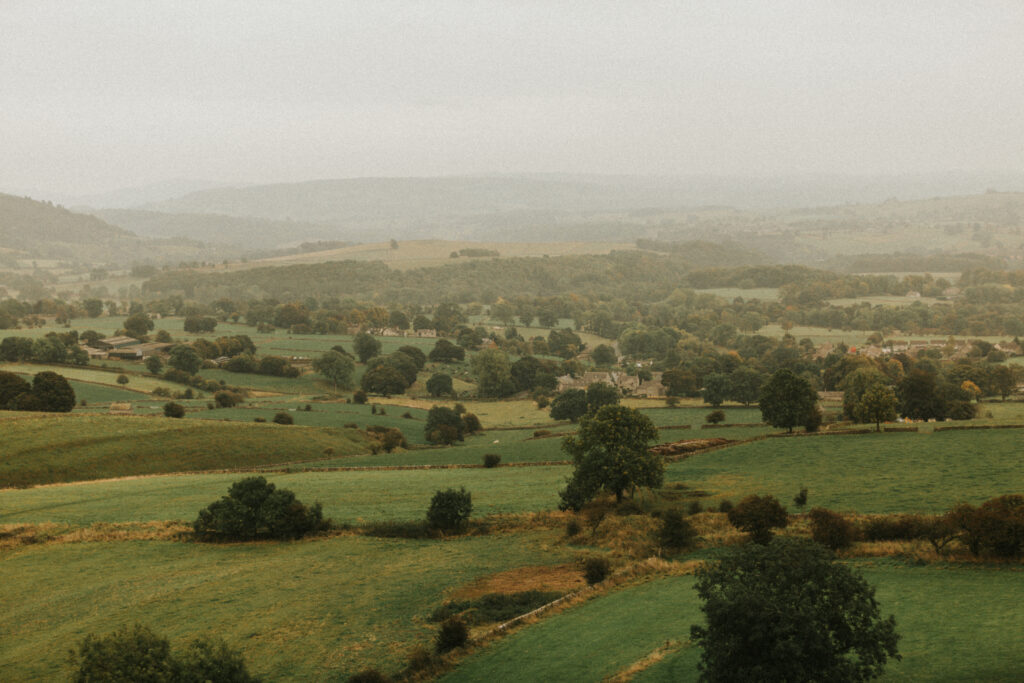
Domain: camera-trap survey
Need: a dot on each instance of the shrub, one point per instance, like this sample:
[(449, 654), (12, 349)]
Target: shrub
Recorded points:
[(896, 528), (725, 506), (831, 529), (996, 527), (256, 509), (359, 397), (491, 460), (715, 417), (136, 653), (122, 379), (813, 420), (350, 425), (260, 419), (389, 438), (443, 426), (308, 408), (172, 409), (368, 676), (672, 401), (542, 402), (758, 515), (407, 415), (471, 424), (694, 508), (800, 499), (572, 527), (452, 634), (283, 418), (450, 509), (676, 533), (226, 399), (541, 432), (596, 569)]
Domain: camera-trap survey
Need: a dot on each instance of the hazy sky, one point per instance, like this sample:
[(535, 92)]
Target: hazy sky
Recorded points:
[(102, 94)]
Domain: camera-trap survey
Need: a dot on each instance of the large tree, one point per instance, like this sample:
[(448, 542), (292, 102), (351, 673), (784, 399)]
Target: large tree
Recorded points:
[(11, 387), (336, 367), (877, 404), (138, 325), (787, 400), (366, 346), (610, 452), (787, 612), (493, 373), (571, 404), (185, 358), (383, 379)]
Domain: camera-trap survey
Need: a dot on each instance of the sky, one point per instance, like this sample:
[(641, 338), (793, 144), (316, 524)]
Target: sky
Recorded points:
[(105, 94)]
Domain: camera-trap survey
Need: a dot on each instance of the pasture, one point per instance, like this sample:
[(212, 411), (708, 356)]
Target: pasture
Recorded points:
[(975, 638)]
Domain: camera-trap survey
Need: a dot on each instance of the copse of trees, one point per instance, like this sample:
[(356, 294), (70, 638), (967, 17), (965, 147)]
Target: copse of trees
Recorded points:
[(48, 392), (256, 509), (446, 426)]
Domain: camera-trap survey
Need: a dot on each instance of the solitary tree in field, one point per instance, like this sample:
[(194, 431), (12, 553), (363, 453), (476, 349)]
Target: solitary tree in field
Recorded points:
[(787, 612), (610, 452), (877, 404), (336, 367), (787, 400)]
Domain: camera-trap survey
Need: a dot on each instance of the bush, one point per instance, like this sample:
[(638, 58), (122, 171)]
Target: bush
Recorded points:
[(831, 529), (694, 508), (226, 399), (758, 515), (260, 419), (122, 379), (492, 460), (572, 527), (800, 499), (715, 417), (136, 653), (452, 634), (450, 509), (596, 570), (672, 401), (996, 527), (172, 409), (471, 424), (368, 676), (725, 506), (256, 509), (676, 533), (359, 397), (283, 418), (443, 426), (896, 528), (389, 438)]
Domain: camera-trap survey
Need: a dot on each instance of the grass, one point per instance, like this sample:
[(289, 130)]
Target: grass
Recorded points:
[(319, 609), (975, 638), (353, 496), (869, 473), (43, 449), (94, 376)]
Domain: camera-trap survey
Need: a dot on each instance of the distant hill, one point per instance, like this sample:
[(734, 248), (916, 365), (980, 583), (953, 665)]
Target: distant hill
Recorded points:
[(41, 230)]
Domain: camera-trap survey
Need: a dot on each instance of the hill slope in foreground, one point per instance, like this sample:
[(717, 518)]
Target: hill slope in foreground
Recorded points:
[(48, 449)]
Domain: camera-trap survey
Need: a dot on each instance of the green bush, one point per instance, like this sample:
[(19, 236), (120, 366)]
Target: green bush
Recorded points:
[(255, 509), (896, 528), (596, 569), (172, 409), (368, 676), (283, 418), (715, 417), (996, 527), (675, 533), (226, 399), (492, 460), (573, 527), (452, 634), (450, 509), (758, 515), (359, 397), (831, 529), (136, 653)]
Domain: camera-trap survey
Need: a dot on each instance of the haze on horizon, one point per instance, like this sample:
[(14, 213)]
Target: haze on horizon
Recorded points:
[(117, 93)]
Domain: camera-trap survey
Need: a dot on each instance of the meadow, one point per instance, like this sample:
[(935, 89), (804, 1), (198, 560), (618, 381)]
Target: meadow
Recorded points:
[(975, 639), (318, 609)]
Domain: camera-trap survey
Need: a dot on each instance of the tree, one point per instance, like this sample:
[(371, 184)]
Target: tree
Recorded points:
[(745, 385), (154, 365), (446, 352), (185, 358), (93, 307), (122, 379), (49, 350), (199, 323), (336, 367), (877, 404), (138, 325), (443, 426), (679, 382), (11, 387), (493, 373), (383, 379), (175, 410), (758, 515), (366, 347), (603, 354), (920, 396), (440, 384), (450, 509), (50, 392), (600, 394), (571, 404), (610, 452), (787, 612), (415, 354), (716, 388), (854, 385), (255, 508), (283, 418), (787, 400)]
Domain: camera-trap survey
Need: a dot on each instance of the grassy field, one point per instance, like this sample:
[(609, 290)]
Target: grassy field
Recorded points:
[(318, 609), (975, 638), (42, 449), (351, 497), (136, 383), (868, 473)]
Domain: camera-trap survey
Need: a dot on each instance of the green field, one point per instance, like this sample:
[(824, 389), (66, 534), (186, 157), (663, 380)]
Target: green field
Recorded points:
[(318, 609), (956, 623), (349, 497), (868, 473), (43, 449)]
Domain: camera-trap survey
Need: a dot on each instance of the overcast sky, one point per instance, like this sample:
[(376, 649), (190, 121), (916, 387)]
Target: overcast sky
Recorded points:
[(96, 94)]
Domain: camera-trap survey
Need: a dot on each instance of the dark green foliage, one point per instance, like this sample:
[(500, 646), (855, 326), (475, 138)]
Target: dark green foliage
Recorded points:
[(716, 388), (725, 506), (493, 373), (897, 527), (122, 379), (604, 355), (446, 352), (226, 399), (383, 379), (599, 395), (368, 676), (675, 533), (831, 529), (415, 354), (492, 460), (11, 387), (197, 323), (494, 607), (596, 569), (788, 400), (138, 325), (283, 418), (610, 452), (336, 367), (172, 409), (185, 359), (439, 384), (573, 527), (758, 515), (254, 509), (50, 393), (569, 405), (443, 426), (154, 365), (824, 621), (389, 438), (450, 509), (452, 634), (135, 654), (366, 347), (471, 424), (359, 397), (800, 499), (715, 417), (996, 527)]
